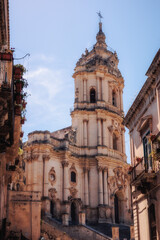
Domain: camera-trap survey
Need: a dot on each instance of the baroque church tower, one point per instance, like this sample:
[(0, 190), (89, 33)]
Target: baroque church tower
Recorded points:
[(83, 168)]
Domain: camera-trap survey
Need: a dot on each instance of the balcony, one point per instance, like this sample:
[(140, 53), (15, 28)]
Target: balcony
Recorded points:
[(144, 172)]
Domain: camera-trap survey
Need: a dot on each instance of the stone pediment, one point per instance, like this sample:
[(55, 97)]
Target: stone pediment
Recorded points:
[(147, 120)]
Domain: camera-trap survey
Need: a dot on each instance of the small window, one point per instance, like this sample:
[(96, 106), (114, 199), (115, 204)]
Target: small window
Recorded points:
[(92, 95), (114, 99), (114, 141), (73, 177)]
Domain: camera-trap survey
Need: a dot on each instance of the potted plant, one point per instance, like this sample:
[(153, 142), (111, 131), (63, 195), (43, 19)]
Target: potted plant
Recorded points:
[(24, 103), (6, 56), (24, 82), (17, 110), (19, 69), (130, 169), (18, 99), (19, 85), (23, 119), (138, 159), (21, 134)]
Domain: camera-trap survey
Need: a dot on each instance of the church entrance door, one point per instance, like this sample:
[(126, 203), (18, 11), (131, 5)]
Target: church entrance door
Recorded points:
[(73, 213), (116, 209), (52, 208)]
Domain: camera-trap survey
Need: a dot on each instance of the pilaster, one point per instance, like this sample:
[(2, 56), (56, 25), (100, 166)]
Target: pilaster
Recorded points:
[(65, 180)]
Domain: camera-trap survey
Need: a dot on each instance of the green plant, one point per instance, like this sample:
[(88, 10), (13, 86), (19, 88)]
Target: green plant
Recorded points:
[(23, 69)]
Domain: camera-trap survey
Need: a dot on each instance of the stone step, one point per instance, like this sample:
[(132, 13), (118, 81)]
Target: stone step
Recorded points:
[(106, 228), (76, 232)]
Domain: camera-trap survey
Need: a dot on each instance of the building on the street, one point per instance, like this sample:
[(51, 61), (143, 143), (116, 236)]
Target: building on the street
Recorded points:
[(15, 207), (143, 121)]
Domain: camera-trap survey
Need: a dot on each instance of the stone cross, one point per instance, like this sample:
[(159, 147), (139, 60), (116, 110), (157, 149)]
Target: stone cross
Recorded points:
[(100, 16)]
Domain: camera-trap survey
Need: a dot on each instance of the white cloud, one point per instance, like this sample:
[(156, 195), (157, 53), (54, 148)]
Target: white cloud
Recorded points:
[(51, 97), (42, 57)]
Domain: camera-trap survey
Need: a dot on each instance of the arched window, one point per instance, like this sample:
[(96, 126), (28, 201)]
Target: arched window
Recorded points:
[(92, 95), (114, 98), (73, 177), (114, 141)]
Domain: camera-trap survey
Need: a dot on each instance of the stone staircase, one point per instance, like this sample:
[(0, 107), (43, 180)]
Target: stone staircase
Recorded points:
[(76, 232), (106, 228)]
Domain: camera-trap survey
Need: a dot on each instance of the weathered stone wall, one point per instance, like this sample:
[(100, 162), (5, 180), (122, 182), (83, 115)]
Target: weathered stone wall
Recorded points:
[(52, 231), (24, 213)]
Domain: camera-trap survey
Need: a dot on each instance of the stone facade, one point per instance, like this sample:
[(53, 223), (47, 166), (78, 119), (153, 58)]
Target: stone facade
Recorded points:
[(11, 163), (143, 121), (83, 168)]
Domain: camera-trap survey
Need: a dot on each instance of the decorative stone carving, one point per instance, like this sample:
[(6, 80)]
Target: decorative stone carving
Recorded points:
[(100, 168), (72, 136), (101, 212), (65, 164), (34, 157), (46, 157), (73, 167), (52, 176), (52, 193), (119, 176), (73, 191), (112, 182), (108, 213)]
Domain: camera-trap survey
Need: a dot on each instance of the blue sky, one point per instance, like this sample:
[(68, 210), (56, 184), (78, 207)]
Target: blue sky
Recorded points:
[(56, 33)]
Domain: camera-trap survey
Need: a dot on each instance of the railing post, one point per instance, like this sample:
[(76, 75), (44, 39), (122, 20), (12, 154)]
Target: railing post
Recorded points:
[(65, 219), (115, 233), (132, 232)]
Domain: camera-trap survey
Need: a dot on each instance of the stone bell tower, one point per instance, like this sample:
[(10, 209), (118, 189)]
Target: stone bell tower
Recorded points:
[(98, 106), (86, 170), (97, 124)]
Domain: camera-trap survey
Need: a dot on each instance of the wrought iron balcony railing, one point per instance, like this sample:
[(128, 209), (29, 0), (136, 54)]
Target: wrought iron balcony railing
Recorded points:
[(147, 165)]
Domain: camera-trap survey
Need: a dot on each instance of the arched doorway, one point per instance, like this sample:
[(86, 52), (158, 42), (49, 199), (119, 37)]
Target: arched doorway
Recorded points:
[(52, 208), (152, 221), (119, 207), (116, 209), (74, 219)]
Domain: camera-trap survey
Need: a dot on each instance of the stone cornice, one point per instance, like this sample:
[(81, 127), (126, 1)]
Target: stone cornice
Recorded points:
[(154, 65), (84, 73), (38, 131), (108, 161), (98, 110), (139, 99), (46, 157), (152, 73)]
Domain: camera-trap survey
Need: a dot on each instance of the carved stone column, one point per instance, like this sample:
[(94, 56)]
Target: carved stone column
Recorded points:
[(102, 88), (85, 132), (84, 90), (35, 173), (98, 89), (121, 93), (105, 187), (29, 173), (65, 180), (99, 133), (45, 174), (86, 195), (110, 94), (104, 132), (123, 141), (100, 185)]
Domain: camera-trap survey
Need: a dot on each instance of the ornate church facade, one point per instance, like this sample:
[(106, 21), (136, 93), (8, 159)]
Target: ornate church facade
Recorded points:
[(83, 168)]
